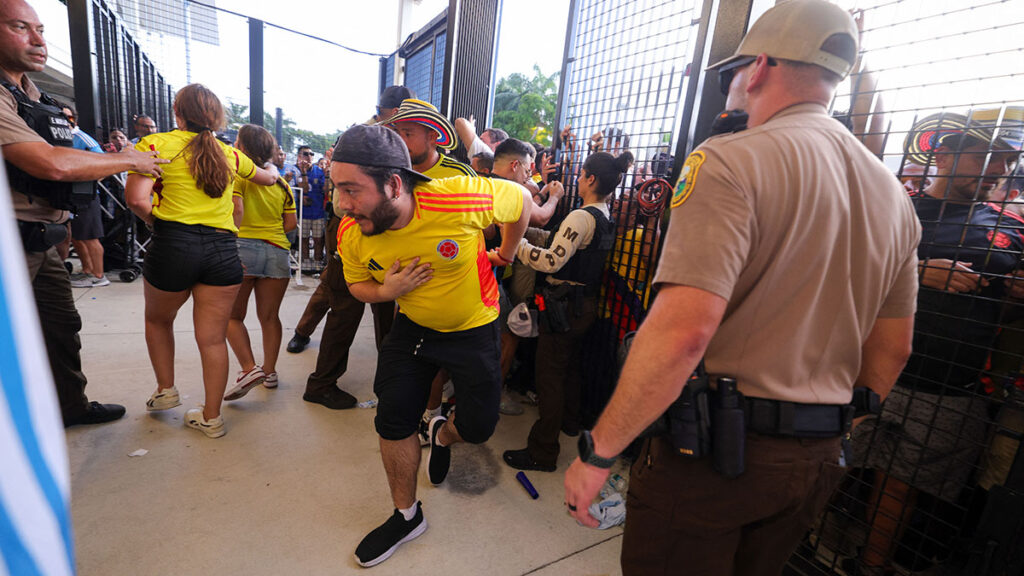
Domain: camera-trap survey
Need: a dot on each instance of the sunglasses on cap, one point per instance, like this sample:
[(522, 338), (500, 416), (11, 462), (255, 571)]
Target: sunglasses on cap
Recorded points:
[(726, 73)]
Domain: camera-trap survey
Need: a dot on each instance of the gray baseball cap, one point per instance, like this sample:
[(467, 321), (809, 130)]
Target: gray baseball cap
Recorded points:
[(809, 31), (374, 146)]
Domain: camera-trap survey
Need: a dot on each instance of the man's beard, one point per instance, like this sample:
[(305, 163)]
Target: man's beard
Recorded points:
[(382, 217)]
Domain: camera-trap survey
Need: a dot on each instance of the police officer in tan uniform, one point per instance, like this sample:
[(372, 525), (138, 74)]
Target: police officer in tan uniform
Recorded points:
[(790, 267), (38, 158)]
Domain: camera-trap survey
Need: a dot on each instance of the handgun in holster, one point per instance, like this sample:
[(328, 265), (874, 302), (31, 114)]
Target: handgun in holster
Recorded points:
[(687, 421)]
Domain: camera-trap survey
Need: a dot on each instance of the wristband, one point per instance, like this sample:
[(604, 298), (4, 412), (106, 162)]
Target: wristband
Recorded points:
[(504, 260)]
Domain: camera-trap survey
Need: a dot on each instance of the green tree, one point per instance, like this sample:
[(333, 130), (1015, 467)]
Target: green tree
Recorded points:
[(291, 135), (525, 107)]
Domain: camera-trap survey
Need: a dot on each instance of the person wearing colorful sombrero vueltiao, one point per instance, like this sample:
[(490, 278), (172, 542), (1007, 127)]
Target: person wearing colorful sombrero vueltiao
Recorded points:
[(426, 132), (933, 424), (415, 240)]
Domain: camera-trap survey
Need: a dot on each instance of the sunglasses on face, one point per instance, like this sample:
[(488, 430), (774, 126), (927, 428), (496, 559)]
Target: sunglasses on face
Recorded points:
[(727, 72), (306, 154)]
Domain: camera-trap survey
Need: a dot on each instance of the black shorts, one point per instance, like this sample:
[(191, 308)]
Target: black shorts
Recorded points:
[(183, 255), (88, 223), (409, 360)]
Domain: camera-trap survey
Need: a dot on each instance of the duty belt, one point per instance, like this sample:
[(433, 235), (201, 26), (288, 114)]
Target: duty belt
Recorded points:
[(778, 418)]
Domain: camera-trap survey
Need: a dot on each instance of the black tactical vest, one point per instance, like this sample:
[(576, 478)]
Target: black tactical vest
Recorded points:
[(47, 120), (587, 264)]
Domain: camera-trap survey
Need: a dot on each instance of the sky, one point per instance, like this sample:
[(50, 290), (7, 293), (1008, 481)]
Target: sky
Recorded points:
[(324, 87)]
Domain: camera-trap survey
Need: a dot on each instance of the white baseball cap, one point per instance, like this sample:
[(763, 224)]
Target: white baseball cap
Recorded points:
[(809, 31)]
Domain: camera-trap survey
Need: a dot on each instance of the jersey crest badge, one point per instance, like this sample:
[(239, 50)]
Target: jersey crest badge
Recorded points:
[(448, 249), (687, 178), (999, 240)]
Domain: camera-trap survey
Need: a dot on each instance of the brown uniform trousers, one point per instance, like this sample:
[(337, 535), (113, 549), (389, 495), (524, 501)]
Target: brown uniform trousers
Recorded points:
[(344, 313), (682, 517), (559, 363), (60, 322)]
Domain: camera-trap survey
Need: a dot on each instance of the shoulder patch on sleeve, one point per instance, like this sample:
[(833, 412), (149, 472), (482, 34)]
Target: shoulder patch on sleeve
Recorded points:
[(687, 178)]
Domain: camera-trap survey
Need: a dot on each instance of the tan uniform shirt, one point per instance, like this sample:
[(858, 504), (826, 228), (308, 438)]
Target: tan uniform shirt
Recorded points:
[(13, 130), (810, 239)]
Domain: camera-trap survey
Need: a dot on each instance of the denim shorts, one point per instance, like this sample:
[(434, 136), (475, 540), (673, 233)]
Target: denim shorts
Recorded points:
[(262, 259)]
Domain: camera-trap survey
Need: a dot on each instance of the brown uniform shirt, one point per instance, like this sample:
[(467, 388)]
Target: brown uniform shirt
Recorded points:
[(13, 130), (810, 239)]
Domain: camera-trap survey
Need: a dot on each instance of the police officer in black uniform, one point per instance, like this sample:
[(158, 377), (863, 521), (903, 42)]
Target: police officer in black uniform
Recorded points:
[(46, 178)]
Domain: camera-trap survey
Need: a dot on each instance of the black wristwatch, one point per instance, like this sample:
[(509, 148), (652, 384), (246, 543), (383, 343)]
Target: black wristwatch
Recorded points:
[(586, 448)]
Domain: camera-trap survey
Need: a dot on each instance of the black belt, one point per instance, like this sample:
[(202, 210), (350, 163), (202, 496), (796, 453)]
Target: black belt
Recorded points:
[(778, 418)]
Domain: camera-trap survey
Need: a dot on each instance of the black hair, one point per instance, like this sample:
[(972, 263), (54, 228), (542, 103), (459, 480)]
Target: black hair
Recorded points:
[(303, 147), (515, 148), (382, 175), (486, 160), (608, 170)]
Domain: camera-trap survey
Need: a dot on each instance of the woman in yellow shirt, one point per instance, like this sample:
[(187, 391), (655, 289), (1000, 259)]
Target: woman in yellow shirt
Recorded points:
[(263, 214), (193, 251)]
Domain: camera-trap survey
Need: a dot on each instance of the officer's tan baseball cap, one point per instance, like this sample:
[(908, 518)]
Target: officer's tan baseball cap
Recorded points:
[(810, 31)]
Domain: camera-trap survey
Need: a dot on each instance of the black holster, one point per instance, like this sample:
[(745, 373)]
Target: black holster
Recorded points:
[(687, 422), (41, 236), (554, 317)]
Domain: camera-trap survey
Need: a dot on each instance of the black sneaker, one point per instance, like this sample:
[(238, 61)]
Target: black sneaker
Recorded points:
[(440, 457), (380, 544), (298, 343)]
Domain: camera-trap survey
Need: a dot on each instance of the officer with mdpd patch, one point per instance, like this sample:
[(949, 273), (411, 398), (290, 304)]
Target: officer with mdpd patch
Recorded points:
[(790, 268)]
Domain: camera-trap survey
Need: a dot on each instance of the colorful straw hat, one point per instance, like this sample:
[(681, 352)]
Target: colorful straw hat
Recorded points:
[(1002, 128), (424, 113)]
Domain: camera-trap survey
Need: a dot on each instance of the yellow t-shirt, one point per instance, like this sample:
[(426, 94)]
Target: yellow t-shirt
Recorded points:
[(444, 231), (263, 207), (175, 194), (446, 167)]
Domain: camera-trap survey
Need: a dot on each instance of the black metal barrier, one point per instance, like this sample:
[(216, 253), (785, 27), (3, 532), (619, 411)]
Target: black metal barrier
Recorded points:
[(937, 482)]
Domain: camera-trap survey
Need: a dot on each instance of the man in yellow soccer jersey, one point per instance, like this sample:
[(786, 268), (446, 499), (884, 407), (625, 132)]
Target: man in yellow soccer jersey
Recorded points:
[(417, 241)]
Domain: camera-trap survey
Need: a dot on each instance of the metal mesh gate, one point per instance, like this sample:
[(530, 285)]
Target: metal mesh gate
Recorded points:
[(626, 73), (933, 488)]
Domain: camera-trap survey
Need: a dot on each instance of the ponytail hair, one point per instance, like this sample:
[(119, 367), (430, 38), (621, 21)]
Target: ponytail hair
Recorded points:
[(203, 113), (257, 143), (608, 170)]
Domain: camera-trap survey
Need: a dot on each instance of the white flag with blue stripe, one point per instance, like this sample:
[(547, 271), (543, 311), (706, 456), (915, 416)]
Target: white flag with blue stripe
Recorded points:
[(35, 518)]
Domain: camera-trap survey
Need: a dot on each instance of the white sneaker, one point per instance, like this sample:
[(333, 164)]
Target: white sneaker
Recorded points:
[(246, 381), (163, 399), (80, 280), (212, 428), (271, 381), (101, 281)]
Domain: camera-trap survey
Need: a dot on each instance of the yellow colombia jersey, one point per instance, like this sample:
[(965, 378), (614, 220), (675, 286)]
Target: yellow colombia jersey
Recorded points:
[(175, 194), (263, 207), (444, 231), (447, 167)]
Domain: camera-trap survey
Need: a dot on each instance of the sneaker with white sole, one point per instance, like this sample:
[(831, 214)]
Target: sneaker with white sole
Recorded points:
[(163, 399), (271, 381), (246, 381), (380, 544), (101, 281), (213, 428)]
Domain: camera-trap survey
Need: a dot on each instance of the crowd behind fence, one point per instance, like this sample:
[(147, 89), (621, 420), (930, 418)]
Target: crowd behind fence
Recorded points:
[(927, 69)]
